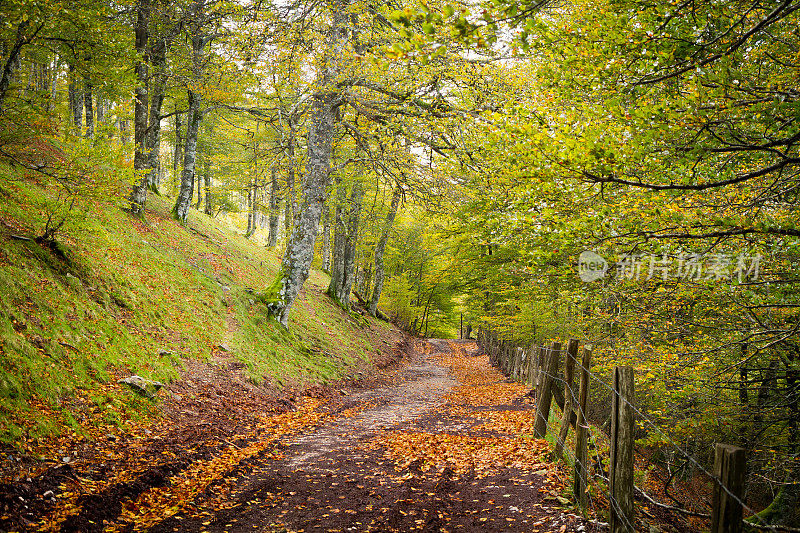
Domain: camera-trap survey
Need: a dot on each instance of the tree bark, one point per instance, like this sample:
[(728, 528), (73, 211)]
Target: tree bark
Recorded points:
[(13, 61), (274, 206), (198, 185), (194, 116), (88, 105), (138, 196), (101, 110), (207, 182), (186, 193), (345, 242), (177, 151), (326, 239), (350, 245), (252, 207), (337, 253), (158, 55), (380, 248), (300, 247), (290, 209), (75, 101)]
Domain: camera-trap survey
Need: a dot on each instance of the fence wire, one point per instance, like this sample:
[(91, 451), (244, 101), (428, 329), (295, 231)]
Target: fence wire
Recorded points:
[(527, 358)]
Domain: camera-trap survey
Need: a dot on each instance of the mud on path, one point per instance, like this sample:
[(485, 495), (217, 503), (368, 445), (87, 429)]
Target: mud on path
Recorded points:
[(445, 446)]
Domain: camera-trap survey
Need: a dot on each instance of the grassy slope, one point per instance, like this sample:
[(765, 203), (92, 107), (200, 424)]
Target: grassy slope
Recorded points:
[(118, 296)]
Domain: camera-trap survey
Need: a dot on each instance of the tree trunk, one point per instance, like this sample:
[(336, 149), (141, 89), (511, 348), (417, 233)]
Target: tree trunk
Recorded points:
[(101, 110), (252, 207), (322, 117), (54, 68), (198, 182), (177, 151), (274, 206), (158, 54), (291, 200), (87, 102), (207, 182), (13, 61), (337, 254), (138, 196), (186, 193), (326, 239), (75, 101), (380, 248), (345, 242), (300, 248), (290, 208), (350, 245), (194, 116)]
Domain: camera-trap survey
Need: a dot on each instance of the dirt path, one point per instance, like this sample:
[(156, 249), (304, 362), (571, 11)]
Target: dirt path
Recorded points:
[(413, 456), (445, 447)]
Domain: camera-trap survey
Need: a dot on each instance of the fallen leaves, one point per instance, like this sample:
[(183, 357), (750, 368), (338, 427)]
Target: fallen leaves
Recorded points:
[(463, 453)]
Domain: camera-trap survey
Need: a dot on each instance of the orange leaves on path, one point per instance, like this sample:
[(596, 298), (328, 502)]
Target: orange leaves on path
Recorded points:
[(159, 503), (463, 453), (503, 440)]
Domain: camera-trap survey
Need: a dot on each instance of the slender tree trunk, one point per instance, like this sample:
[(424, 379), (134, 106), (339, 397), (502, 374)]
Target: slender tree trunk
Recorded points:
[(252, 207), (177, 149), (379, 250), (158, 53), (87, 103), (252, 194), (345, 242), (101, 110), (300, 248), (75, 101), (54, 68), (326, 239), (124, 131), (274, 206), (198, 182), (207, 181), (186, 193), (350, 246), (138, 196), (337, 254), (291, 200)]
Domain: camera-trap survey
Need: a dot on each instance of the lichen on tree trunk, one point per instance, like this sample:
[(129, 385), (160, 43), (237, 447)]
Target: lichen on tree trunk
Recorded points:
[(300, 246)]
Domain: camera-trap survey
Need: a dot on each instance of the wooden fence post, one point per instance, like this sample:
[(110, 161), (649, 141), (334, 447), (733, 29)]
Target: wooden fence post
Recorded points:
[(545, 396), (729, 471), (532, 351), (541, 357), (581, 435), (569, 367), (621, 470)]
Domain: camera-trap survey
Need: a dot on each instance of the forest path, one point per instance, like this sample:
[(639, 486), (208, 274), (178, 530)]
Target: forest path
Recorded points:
[(445, 449)]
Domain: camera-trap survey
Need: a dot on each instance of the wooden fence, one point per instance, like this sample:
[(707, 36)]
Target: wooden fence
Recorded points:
[(544, 367)]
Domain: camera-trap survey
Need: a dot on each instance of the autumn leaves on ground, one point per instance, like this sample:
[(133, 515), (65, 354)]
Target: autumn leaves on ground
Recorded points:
[(442, 445)]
